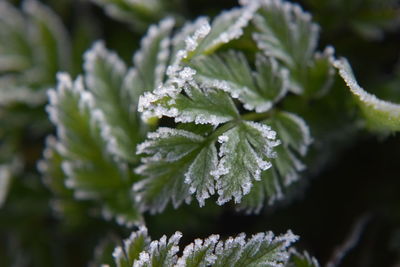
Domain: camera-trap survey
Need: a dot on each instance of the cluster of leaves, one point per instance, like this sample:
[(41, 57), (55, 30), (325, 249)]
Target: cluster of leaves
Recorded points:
[(230, 137), (209, 110)]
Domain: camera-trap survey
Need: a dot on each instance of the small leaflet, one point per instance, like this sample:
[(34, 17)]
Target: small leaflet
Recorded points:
[(231, 73), (245, 152), (287, 33), (198, 105), (295, 137), (226, 27), (179, 164), (150, 61), (380, 115), (104, 76)]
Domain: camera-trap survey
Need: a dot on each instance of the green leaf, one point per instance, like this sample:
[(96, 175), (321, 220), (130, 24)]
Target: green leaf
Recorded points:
[(245, 151), (91, 171), (231, 72), (287, 33), (262, 249), (295, 138), (380, 115), (197, 104), (150, 61), (104, 76), (225, 27), (180, 163)]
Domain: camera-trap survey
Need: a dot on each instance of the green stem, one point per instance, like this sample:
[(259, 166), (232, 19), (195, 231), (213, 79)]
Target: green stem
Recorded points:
[(248, 117), (221, 130), (253, 116)]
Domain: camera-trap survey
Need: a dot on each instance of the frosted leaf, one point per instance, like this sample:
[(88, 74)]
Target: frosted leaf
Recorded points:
[(295, 138), (104, 76), (287, 33), (199, 177), (179, 164), (262, 249), (85, 162), (199, 105), (231, 72), (380, 115), (179, 39), (293, 131), (245, 152), (226, 27), (150, 62)]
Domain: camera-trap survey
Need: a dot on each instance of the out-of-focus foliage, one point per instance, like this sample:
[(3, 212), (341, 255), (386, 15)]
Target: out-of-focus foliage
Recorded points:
[(368, 18)]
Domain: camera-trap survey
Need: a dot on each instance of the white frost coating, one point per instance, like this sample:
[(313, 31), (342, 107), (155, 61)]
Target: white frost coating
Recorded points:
[(368, 99), (153, 104), (269, 135), (202, 186), (305, 130), (223, 139), (287, 239), (240, 18), (187, 30), (134, 235), (95, 56), (298, 22), (153, 145), (143, 260), (118, 253), (154, 32), (198, 246)]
